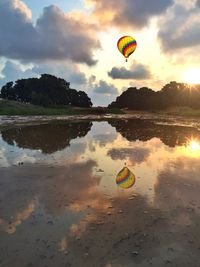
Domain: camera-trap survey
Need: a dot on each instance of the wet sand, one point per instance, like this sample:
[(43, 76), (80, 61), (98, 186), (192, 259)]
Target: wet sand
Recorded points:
[(68, 211)]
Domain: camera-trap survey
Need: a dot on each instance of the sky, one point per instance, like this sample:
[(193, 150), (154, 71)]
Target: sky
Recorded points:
[(77, 40)]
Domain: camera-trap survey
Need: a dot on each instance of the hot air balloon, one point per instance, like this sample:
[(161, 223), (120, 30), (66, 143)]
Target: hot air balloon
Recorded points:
[(125, 178), (126, 46)]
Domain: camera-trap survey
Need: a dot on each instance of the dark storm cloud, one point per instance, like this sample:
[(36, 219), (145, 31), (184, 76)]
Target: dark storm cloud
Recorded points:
[(105, 88), (135, 13), (54, 37), (181, 29), (137, 72)]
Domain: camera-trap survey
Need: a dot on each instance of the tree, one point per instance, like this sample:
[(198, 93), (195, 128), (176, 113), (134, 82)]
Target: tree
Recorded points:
[(45, 91), (172, 94), (8, 92)]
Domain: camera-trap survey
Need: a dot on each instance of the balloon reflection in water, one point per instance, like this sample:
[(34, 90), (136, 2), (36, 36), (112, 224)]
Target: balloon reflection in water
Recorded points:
[(125, 178)]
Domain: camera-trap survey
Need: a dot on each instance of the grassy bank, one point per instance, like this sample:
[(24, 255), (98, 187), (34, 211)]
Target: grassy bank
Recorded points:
[(173, 111), (8, 107), (180, 111)]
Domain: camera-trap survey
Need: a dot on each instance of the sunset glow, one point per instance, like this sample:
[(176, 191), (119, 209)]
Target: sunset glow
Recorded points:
[(192, 76)]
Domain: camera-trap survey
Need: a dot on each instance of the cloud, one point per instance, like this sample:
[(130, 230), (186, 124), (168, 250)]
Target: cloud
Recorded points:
[(101, 93), (92, 79), (137, 72), (198, 3), (180, 28), (13, 72), (68, 71), (65, 70), (105, 88), (135, 13), (21, 6), (56, 36)]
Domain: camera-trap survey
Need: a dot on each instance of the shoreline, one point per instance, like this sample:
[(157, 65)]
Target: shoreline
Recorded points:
[(173, 120)]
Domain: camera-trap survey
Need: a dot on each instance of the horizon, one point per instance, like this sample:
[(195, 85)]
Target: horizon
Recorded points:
[(78, 42)]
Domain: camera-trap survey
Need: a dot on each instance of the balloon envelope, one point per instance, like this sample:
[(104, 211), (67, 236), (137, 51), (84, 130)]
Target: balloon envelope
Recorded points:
[(126, 45), (125, 178)]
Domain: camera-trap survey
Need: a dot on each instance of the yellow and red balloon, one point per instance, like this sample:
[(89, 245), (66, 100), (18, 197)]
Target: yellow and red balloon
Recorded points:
[(126, 45)]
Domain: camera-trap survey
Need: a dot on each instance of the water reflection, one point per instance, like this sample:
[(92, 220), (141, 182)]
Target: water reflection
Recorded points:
[(145, 130), (48, 138), (68, 210), (194, 147)]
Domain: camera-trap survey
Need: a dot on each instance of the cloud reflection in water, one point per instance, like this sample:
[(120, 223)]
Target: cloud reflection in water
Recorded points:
[(82, 210)]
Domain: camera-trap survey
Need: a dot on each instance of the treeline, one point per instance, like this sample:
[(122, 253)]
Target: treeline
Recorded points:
[(172, 95), (47, 90)]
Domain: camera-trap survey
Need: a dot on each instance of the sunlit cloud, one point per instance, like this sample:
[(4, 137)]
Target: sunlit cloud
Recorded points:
[(128, 13)]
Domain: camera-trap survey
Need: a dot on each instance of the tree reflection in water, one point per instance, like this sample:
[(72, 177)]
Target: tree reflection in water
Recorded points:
[(49, 138), (144, 130)]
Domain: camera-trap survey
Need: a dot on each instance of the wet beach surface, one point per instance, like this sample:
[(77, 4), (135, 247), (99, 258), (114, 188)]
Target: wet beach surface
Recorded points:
[(60, 204)]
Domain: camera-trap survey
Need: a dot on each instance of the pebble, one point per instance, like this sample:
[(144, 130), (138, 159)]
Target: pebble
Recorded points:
[(134, 253)]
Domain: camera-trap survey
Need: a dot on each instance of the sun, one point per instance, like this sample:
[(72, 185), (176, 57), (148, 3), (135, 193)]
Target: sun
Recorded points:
[(192, 76)]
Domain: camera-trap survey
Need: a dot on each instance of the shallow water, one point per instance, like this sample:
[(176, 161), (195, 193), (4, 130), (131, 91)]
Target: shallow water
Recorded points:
[(60, 204)]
